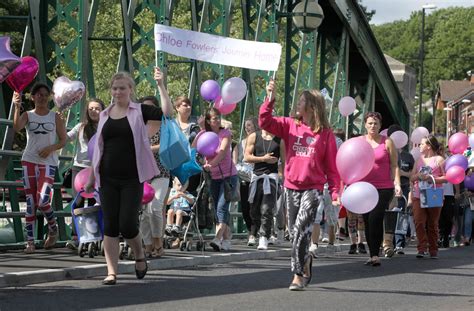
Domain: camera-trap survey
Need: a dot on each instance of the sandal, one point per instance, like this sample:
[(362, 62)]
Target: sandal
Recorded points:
[(110, 281), (141, 273), (158, 252), (30, 247), (51, 240)]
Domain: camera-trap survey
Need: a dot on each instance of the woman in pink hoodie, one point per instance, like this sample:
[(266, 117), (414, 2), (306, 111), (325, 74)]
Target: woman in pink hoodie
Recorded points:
[(310, 162)]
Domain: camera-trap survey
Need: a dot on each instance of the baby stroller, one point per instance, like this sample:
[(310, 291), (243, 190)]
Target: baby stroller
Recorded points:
[(184, 238), (89, 228)]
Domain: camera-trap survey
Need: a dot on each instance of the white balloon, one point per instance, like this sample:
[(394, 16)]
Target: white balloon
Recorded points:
[(347, 105), (418, 134), (360, 197), (233, 90), (471, 140), (415, 152), (400, 139)]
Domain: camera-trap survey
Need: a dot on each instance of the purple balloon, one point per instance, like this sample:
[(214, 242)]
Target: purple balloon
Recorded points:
[(207, 144), (8, 60), (456, 160), (210, 90), (469, 182), (90, 147)]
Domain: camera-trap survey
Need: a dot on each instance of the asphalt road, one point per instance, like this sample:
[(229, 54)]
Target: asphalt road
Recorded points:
[(339, 283)]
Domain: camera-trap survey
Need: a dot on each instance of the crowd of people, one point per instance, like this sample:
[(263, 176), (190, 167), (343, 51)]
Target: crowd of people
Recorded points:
[(284, 170)]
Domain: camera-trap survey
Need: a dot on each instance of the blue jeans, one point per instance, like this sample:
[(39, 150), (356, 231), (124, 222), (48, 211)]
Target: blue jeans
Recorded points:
[(467, 223), (402, 204), (221, 206)]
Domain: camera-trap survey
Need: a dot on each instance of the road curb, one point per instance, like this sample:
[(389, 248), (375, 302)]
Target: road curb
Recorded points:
[(18, 279)]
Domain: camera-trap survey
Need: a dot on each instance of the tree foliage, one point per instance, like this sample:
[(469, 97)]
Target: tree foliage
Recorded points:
[(448, 43)]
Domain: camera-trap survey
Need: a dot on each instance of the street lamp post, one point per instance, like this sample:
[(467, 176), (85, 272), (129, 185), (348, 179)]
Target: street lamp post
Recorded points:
[(422, 54), (448, 110)]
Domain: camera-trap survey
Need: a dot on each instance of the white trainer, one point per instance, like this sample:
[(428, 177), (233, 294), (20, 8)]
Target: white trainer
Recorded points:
[(262, 243), (313, 249), (252, 241), (226, 244), (216, 244)]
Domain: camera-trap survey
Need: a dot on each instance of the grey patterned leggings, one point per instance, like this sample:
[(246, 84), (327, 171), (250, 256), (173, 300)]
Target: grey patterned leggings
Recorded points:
[(302, 206)]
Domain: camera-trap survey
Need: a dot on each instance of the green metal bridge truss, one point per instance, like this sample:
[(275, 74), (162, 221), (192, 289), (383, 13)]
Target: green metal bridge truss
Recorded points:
[(342, 56)]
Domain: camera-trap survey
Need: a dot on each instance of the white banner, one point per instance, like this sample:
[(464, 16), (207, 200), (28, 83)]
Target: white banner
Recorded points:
[(216, 49)]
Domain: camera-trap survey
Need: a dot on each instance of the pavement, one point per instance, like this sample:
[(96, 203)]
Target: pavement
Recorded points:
[(44, 266)]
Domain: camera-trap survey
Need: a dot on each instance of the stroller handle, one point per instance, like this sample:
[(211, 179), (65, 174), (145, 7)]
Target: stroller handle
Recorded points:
[(74, 202)]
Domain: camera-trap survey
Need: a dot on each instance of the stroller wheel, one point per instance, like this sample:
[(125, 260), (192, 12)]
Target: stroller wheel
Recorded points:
[(79, 250), (130, 255), (91, 250), (189, 246), (182, 246), (121, 251)]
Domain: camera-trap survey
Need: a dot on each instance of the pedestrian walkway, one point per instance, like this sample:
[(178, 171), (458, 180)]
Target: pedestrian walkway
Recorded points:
[(19, 269)]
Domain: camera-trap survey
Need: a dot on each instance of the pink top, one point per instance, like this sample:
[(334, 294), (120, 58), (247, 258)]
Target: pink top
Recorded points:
[(435, 171), (146, 163), (226, 164), (380, 176), (310, 157)]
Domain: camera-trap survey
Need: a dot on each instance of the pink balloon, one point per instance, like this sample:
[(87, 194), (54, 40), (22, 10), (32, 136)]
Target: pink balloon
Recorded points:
[(24, 74), (222, 107), (210, 90), (360, 197), (384, 132), (66, 92), (81, 180), (354, 160), (148, 193), (458, 143), (347, 105), (455, 174), (8, 60), (207, 144), (400, 139)]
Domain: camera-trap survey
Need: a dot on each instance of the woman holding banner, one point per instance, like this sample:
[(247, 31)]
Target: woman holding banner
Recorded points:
[(310, 163)]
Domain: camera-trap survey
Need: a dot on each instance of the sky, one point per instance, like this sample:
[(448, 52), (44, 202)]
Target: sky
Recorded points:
[(392, 10)]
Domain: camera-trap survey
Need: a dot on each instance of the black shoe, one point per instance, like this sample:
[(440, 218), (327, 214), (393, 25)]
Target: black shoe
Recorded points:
[(141, 273), (111, 281), (361, 248), (353, 249)]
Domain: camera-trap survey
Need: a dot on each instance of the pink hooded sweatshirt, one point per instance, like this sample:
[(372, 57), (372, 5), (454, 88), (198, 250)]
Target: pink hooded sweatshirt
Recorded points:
[(310, 157)]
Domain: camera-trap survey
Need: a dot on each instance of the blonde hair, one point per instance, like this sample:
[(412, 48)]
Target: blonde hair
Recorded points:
[(315, 100), (123, 75)]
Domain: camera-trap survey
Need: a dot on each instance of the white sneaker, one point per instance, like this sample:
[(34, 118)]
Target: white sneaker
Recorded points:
[(216, 245), (262, 243), (273, 241), (325, 238), (252, 241), (313, 249), (226, 244)]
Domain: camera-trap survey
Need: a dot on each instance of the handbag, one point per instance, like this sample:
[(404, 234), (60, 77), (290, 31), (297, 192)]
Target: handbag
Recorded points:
[(231, 192), (431, 196), (244, 170), (396, 219), (174, 146)]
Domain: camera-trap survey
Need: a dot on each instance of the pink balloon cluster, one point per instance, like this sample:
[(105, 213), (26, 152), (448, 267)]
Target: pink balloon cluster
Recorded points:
[(418, 134), (399, 138), (360, 197), (347, 106), (66, 92), (455, 174), (148, 193), (8, 60)]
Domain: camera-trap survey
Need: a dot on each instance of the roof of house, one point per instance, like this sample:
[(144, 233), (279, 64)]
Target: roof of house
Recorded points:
[(452, 90)]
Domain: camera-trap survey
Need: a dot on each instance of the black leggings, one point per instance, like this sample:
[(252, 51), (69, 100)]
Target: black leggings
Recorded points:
[(121, 201), (374, 221), (446, 219)]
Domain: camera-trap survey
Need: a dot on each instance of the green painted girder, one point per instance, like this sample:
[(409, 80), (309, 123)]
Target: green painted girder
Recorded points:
[(355, 22)]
